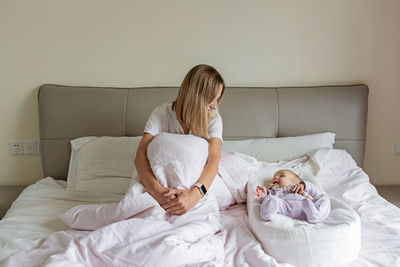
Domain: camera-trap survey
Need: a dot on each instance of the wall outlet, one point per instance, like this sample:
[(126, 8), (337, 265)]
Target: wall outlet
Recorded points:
[(30, 148), (16, 148)]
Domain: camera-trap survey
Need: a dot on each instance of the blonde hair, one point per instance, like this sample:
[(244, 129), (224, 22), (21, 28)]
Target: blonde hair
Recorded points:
[(198, 89)]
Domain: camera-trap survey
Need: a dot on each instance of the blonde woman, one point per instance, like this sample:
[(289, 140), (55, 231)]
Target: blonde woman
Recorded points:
[(195, 111)]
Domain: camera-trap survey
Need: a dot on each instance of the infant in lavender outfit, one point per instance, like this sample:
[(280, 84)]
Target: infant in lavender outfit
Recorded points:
[(288, 195)]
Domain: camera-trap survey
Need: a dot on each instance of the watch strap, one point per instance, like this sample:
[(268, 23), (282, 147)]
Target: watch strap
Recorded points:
[(202, 189)]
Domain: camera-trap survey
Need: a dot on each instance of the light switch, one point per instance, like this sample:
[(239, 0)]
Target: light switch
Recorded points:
[(397, 148), (30, 148)]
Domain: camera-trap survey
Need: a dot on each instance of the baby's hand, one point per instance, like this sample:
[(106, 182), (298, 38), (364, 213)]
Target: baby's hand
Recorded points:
[(260, 192), (298, 188)]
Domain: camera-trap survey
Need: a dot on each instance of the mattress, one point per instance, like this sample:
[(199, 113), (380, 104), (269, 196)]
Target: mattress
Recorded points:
[(34, 217)]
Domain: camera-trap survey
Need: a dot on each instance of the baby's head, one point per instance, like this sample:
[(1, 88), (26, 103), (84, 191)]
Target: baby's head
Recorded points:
[(284, 178)]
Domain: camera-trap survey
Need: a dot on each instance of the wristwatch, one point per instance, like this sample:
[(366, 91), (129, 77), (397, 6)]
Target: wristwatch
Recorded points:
[(202, 188)]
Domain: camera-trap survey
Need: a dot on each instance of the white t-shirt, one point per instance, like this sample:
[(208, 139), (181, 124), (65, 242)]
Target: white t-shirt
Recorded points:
[(163, 119)]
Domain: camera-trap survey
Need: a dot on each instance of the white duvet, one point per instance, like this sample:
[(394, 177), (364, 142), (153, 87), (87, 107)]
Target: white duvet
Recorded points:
[(26, 231)]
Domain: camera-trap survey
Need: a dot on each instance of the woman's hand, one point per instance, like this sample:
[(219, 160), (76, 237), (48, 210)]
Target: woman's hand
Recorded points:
[(180, 200), (187, 199), (146, 175), (159, 193)]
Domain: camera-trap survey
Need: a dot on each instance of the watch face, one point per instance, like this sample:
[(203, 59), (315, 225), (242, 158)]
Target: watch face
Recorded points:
[(203, 189)]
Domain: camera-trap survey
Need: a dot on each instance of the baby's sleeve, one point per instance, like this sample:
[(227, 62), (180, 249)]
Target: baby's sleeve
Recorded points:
[(270, 192), (319, 208), (156, 123), (313, 191)]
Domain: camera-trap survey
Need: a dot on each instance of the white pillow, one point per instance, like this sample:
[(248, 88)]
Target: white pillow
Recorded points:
[(178, 161), (332, 160), (102, 164), (280, 148)]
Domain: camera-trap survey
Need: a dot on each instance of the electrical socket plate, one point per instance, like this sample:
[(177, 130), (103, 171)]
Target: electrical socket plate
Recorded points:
[(16, 148), (30, 148), (37, 147)]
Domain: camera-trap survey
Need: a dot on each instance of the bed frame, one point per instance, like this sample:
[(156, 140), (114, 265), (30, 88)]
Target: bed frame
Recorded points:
[(68, 112)]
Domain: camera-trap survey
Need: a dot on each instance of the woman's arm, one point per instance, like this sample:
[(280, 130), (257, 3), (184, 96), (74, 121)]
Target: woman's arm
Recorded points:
[(145, 173), (211, 168), (187, 199)]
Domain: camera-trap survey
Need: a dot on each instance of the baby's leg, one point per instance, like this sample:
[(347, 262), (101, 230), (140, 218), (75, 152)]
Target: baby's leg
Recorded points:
[(318, 211), (272, 205)]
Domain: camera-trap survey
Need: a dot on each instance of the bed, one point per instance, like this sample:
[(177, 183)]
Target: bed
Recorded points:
[(70, 112)]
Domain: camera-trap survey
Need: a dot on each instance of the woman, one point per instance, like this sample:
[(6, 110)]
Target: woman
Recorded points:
[(195, 111)]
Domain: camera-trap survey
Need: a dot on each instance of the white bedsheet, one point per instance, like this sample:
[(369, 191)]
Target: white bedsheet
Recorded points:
[(34, 216)]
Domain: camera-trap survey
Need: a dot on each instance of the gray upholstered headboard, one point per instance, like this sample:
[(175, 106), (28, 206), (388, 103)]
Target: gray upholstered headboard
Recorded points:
[(68, 112)]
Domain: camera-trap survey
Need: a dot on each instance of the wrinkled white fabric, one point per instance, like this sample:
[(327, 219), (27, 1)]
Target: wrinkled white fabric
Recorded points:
[(29, 224), (177, 162), (136, 223)]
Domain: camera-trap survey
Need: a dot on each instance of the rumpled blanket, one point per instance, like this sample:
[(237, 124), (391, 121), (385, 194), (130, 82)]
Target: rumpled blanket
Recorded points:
[(28, 223), (137, 231)]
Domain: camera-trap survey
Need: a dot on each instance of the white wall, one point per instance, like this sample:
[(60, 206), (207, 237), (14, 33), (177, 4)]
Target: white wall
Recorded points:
[(383, 128), (149, 43)]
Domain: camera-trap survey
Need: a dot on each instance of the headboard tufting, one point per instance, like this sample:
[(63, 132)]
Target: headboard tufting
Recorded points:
[(68, 112)]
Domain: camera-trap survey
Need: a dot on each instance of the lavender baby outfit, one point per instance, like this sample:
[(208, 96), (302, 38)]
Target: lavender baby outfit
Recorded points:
[(283, 201)]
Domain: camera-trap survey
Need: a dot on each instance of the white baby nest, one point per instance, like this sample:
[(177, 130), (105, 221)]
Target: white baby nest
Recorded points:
[(333, 242)]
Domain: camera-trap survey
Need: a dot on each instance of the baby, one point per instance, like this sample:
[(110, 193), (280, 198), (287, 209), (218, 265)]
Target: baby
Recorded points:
[(288, 195)]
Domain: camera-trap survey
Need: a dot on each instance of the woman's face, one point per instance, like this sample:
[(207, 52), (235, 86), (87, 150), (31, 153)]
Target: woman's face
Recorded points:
[(213, 105)]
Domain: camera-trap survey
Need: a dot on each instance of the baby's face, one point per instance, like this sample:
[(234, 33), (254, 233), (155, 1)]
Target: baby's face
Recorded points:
[(284, 178)]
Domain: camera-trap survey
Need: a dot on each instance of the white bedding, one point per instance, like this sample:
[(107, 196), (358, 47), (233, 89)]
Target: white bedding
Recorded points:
[(35, 215)]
